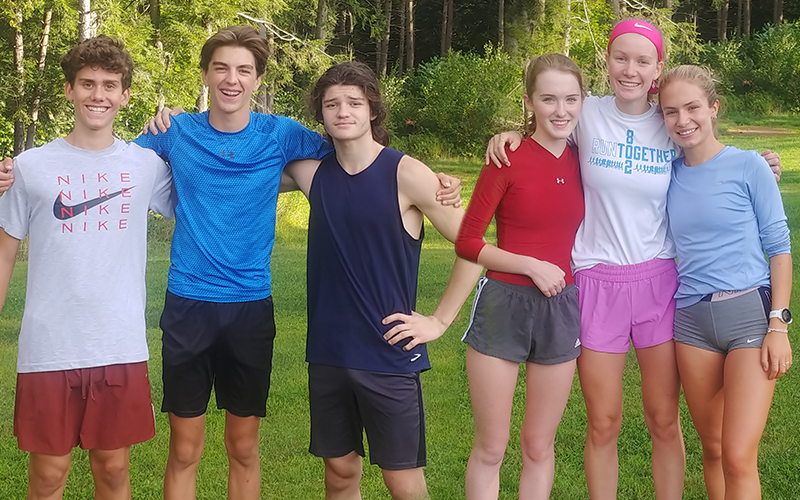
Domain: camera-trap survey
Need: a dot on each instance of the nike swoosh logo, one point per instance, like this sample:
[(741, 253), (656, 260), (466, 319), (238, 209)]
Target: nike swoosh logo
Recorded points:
[(637, 25), (64, 212), (415, 357), (751, 340)]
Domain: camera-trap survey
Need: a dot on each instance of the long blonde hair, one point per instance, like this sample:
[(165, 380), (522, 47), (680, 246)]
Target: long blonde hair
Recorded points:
[(539, 65)]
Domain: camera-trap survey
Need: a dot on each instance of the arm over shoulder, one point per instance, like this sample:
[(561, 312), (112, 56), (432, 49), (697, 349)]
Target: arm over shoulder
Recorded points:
[(417, 186)]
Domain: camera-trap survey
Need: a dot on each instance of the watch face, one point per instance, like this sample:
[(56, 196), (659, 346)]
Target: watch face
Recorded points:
[(786, 316)]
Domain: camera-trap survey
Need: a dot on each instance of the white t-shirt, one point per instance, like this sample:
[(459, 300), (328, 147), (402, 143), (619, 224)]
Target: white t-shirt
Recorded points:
[(86, 216), (625, 169)]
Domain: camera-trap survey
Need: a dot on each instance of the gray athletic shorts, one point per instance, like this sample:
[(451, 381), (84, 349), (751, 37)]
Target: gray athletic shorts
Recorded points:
[(388, 406), (518, 323), (724, 325)]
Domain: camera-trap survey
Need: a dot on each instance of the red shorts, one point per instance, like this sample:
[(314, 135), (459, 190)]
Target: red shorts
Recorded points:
[(101, 408)]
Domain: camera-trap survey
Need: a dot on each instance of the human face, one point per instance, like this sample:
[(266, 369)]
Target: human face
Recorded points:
[(97, 95), (688, 116), (346, 113), (231, 78), (556, 103), (633, 65)]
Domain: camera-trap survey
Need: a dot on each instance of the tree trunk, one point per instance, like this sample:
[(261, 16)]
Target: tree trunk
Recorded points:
[(501, 17), (568, 28), (410, 35), (401, 50), (739, 19), (722, 21), (777, 14), (37, 93), (450, 15), (538, 14), (615, 9), (19, 66), (322, 20), (202, 98), (443, 48), (746, 19), (86, 20), (265, 98), (383, 46), (155, 22)]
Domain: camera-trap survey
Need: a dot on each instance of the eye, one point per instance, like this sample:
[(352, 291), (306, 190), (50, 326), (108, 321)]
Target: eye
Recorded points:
[(669, 112)]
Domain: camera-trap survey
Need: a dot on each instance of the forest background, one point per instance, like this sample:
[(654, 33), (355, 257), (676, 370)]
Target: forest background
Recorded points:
[(451, 69)]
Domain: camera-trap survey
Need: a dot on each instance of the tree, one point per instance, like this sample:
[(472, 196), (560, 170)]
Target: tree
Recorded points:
[(409, 34), (722, 20), (37, 93), (777, 16), (383, 46), (501, 7)]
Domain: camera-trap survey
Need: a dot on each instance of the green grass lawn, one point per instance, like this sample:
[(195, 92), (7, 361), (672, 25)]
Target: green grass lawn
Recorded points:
[(290, 472)]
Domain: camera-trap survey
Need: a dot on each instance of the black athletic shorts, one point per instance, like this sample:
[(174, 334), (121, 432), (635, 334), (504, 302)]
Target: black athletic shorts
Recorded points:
[(224, 345), (388, 406)]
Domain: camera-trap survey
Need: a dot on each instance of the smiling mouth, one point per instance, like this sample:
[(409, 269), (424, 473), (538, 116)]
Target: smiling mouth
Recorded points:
[(231, 93), (97, 109), (559, 123), (687, 132), (629, 85)]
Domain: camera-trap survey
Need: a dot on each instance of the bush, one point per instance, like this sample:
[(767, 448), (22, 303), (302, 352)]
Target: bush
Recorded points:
[(460, 100), (762, 74)]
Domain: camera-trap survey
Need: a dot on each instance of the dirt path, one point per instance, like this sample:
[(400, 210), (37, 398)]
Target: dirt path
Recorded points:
[(757, 130)]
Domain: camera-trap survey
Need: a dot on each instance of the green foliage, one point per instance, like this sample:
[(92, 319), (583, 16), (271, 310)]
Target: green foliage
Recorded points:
[(760, 74), (462, 99)]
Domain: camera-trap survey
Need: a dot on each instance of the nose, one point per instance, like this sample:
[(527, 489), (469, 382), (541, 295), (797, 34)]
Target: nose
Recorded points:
[(230, 76), (683, 117), (561, 108), (629, 68)]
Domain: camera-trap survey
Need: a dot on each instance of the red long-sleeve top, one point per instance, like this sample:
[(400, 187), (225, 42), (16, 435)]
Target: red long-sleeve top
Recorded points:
[(538, 206)]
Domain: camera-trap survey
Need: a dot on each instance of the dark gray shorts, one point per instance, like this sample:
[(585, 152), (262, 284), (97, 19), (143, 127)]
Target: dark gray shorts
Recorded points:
[(725, 325), (388, 406), (518, 323)]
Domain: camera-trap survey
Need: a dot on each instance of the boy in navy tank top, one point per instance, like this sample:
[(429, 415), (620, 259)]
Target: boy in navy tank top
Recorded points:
[(366, 345)]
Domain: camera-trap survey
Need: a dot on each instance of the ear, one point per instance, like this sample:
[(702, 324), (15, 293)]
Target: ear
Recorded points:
[(68, 91), (528, 102), (126, 96), (660, 69), (715, 109), (203, 74)]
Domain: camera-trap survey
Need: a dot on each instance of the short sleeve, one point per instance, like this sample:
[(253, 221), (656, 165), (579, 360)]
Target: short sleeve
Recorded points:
[(299, 142), (163, 142), (163, 199), (15, 207)]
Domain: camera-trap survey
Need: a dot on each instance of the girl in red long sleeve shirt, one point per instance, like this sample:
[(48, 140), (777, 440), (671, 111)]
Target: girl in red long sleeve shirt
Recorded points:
[(526, 308)]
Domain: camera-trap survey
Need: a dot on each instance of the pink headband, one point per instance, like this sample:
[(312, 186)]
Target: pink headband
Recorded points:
[(645, 29)]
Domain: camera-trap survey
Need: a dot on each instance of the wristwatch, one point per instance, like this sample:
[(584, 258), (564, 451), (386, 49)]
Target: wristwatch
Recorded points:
[(783, 314)]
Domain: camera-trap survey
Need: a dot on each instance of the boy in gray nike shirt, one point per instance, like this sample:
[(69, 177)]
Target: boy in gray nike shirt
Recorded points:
[(83, 201)]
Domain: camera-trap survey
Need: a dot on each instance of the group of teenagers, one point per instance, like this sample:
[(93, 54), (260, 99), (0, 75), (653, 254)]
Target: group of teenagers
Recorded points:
[(592, 210)]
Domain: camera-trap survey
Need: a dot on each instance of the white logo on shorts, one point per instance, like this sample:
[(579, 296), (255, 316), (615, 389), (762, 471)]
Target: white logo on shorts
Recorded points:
[(415, 357), (751, 340), (577, 342)]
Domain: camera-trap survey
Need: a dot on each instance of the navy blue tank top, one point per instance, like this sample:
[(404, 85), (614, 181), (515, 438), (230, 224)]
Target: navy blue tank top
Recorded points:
[(362, 266)]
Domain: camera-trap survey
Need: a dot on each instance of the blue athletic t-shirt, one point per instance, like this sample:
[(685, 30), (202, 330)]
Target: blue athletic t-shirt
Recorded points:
[(362, 267), (227, 186)]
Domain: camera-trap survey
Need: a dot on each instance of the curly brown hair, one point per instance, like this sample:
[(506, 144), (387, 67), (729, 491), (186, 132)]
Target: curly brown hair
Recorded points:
[(101, 51), (359, 75), (237, 36)]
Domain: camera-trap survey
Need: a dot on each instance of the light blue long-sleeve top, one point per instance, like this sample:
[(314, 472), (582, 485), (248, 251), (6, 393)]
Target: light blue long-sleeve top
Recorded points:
[(724, 214)]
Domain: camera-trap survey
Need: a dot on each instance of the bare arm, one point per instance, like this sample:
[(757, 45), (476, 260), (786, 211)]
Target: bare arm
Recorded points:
[(8, 257), (417, 187), (298, 175), (776, 352)]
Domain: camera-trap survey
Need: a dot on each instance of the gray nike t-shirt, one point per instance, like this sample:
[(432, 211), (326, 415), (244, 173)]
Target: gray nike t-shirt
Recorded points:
[(85, 213)]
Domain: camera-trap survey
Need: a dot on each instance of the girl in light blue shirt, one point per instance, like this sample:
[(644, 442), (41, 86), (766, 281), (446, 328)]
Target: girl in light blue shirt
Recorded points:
[(731, 325)]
